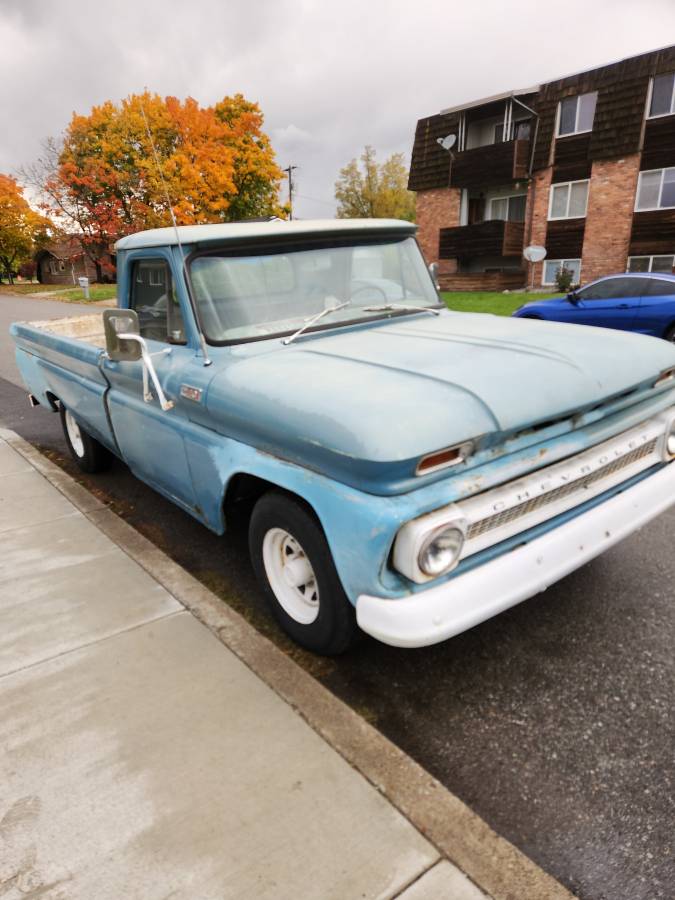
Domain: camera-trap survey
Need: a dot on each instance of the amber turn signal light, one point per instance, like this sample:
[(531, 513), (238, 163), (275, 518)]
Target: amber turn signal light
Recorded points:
[(449, 456)]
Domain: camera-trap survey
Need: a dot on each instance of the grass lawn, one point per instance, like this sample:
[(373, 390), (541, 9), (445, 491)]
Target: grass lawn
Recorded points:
[(489, 301), (74, 294), (96, 292), (26, 287)]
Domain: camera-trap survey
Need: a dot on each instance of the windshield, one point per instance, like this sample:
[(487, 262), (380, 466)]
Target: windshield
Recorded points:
[(253, 296)]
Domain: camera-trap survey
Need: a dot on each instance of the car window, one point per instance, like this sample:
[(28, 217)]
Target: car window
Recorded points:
[(614, 289), (154, 299), (660, 287)]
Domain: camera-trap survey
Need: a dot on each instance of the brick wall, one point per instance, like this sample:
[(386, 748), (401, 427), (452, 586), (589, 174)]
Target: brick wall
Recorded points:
[(437, 208), (609, 218), (536, 219)]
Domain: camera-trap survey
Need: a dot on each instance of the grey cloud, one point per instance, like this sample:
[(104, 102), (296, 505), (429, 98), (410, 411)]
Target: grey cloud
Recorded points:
[(329, 77)]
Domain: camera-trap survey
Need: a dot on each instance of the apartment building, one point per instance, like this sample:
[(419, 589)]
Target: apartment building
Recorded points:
[(584, 166)]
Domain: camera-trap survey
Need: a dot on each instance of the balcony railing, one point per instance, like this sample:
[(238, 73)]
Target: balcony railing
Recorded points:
[(492, 164), (493, 238)]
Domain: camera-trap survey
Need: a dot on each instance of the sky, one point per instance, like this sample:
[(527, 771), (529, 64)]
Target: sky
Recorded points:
[(330, 77)]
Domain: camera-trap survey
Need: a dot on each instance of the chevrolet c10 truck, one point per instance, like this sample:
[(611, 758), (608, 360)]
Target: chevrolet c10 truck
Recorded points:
[(410, 470)]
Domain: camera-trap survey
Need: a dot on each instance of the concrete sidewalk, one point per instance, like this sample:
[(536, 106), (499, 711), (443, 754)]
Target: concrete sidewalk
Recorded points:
[(140, 758)]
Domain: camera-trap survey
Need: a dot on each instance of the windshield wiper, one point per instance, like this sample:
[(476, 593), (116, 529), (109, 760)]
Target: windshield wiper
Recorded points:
[(388, 306), (312, 319)]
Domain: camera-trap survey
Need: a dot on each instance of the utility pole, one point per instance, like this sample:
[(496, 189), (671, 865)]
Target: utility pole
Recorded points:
[(289, 171)]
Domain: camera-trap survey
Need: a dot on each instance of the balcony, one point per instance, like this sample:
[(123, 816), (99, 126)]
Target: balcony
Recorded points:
[(492, 238), (491, 164)]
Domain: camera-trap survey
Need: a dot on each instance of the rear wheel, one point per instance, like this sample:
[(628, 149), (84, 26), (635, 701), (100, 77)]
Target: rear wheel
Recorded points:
[(88, 453), (295, 568)]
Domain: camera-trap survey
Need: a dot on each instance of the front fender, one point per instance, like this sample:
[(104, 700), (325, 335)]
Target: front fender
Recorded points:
[(359, 527)]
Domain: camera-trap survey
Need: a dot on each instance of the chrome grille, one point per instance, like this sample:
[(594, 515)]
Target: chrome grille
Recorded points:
[(505, 517)]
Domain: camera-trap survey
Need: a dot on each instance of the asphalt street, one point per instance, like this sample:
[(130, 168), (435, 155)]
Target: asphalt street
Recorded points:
[(553, 721)]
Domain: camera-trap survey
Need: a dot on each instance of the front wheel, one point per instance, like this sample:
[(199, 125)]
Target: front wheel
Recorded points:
[(88, 453), (670, 334), (295, 569)]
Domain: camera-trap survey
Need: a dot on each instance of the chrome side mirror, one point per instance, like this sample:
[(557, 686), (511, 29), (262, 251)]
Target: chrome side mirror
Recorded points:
[(124, 344), (433, 271), (118, 322)]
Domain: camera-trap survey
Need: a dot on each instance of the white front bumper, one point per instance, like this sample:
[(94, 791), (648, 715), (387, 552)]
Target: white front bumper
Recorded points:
[(447, 609)]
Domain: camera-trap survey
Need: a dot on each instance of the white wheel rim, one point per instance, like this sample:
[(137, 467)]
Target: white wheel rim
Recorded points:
[(74, 435), (291, 576)]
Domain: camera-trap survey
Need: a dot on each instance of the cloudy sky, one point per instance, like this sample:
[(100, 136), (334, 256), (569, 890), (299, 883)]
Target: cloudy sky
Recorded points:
[(330, 77)]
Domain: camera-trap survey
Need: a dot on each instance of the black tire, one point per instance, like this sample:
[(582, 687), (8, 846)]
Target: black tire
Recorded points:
[(334, 629), (92, 456), (670, 334)]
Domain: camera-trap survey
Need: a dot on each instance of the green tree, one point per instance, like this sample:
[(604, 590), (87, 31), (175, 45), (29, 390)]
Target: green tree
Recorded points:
[(370, 190), (22, 230)]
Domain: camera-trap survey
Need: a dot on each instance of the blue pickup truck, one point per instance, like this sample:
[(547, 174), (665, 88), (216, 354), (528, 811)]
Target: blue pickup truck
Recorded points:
[(410, 470)]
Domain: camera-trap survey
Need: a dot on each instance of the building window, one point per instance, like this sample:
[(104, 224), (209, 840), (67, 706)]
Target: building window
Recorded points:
[(553, 266), (568, 200), (656, 190), (663, 96), (651, 264), (508, 209), (575, 114)]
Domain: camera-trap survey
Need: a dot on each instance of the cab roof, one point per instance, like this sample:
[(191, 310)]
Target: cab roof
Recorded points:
[(213, 234)]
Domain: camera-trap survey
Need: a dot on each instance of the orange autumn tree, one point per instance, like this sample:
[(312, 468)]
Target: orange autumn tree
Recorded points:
[(217, 165), (22, 230)]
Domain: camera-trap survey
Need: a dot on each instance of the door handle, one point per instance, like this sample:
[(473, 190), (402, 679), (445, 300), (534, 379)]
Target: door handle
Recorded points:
[(624, 305)]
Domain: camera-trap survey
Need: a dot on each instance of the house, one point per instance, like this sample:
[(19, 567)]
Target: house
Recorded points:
[(62, 261), (583, 166)]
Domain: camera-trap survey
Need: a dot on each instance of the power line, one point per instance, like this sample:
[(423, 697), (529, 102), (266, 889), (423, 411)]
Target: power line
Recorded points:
[(316, 200)]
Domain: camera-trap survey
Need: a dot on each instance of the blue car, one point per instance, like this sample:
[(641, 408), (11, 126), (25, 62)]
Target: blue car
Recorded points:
[(644, 303)]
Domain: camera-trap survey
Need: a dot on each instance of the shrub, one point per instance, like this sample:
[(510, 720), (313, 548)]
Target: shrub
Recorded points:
[(563, 280)]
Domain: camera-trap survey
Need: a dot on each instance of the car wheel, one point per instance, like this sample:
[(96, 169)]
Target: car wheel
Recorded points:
[(670, 334), (295, 568), (88, 453)]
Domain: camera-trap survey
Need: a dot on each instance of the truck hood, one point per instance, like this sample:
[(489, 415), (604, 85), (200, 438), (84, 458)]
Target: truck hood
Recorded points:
[(363, 405)]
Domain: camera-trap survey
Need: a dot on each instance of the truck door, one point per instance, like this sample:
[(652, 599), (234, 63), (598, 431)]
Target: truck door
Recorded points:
[(151, 439)]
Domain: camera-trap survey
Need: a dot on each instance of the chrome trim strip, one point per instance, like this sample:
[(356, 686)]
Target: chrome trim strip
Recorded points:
[(519, 505)]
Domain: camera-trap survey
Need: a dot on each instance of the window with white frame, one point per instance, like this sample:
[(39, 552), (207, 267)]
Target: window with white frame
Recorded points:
[(656, 190), (568, 200), (663, 96), (508, 209), (553, 266), (664, 263), (576, 114)]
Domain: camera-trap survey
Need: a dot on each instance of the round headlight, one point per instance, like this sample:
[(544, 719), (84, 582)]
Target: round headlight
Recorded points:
[(670, 440), (440, 552)]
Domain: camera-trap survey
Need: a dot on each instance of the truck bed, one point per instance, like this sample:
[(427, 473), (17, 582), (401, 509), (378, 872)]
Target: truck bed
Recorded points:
[(60, 360), (88, 328)]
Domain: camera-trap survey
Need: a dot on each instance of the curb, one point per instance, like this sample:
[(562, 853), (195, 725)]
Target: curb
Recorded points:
[(494, 864)]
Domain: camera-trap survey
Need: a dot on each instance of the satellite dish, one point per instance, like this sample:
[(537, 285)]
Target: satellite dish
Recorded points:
[(534, 253), (448, 142)]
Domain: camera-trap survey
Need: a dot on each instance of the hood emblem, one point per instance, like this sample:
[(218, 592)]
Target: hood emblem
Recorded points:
[(191, 393)]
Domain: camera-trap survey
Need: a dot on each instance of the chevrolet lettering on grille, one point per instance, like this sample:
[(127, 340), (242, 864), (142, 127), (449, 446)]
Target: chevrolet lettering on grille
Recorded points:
[(508, 510)]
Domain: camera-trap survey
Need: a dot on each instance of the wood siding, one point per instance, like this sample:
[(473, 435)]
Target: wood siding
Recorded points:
[(493, 238), (659, 145), (494, 164), (565, 238), (572, 160), (653, 232), (430, 163), (619, 114)]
